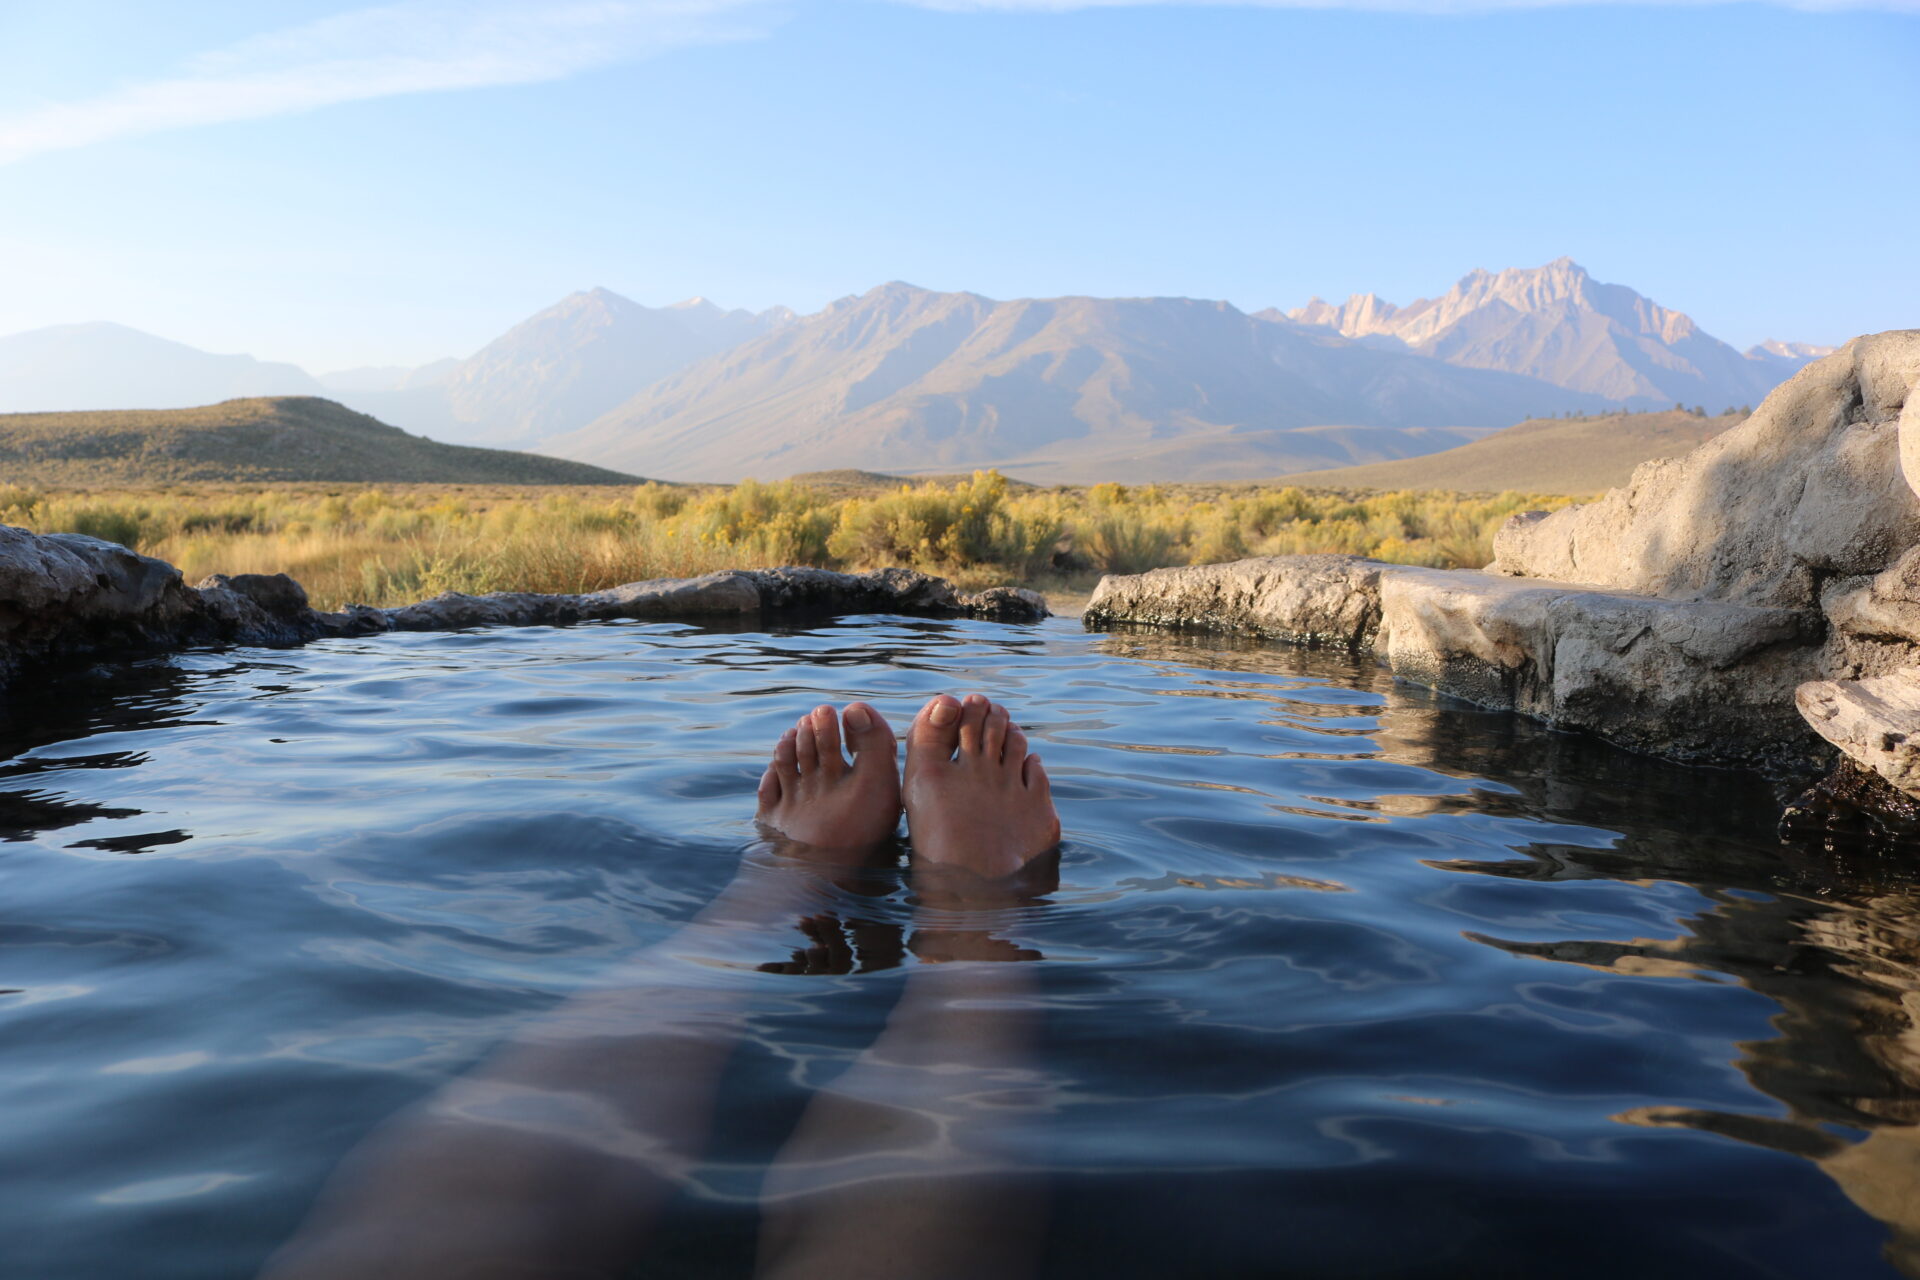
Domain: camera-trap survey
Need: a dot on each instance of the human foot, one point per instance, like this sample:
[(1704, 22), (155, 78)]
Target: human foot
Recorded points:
[(812, 795), (976, 801)]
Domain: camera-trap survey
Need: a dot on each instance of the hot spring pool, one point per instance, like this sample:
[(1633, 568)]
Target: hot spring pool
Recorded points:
[(1341, 979)]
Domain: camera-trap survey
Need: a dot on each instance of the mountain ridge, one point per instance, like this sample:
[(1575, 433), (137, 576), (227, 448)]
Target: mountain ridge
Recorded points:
[(1557, 323), (907, 378)]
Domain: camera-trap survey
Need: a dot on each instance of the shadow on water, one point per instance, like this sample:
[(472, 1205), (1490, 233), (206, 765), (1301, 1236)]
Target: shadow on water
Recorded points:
[(1832, 938)]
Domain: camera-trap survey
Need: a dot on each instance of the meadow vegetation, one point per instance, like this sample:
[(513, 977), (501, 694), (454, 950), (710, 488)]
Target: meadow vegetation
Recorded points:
[(391, 544)]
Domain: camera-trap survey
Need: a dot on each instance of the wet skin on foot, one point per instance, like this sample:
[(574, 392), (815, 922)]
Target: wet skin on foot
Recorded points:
[(977, 800), (813, 796)]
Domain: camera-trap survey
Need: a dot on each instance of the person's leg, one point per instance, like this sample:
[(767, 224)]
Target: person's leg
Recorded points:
[(552, 1157), (902, 1166)]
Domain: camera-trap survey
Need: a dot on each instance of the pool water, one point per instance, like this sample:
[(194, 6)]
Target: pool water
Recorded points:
[(1341, 979)]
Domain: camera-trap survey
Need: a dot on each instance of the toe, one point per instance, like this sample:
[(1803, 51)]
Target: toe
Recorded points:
[(973, 721), (1014, 754), (826, 738), (993, 737), (807, 748), (1034, 774), (935, 732), (786, 760), (870, 737), (769, 793)]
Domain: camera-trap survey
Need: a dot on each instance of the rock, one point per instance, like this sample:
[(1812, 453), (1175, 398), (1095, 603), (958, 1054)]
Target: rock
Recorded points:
[(1806, 489), (1694, 680), (730, 592), (1689, 680), (454, 611), (882, 591), (1310, 600), (1875, 721), (259, 608), (1006, 604), (1855, 807), (69, 594)]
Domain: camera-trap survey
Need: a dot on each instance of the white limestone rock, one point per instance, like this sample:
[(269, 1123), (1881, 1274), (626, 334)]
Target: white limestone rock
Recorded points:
[(1311, 600), (1808, 488), (1875, 721)]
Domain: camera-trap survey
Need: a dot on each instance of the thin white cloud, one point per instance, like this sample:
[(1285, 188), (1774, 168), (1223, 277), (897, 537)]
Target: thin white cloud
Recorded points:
[(420, 46), (425, 46)]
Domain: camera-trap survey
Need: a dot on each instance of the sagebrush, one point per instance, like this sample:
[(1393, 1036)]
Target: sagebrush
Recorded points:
[(389, 545)]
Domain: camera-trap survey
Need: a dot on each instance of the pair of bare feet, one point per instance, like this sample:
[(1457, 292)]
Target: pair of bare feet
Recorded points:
[(977, 802)]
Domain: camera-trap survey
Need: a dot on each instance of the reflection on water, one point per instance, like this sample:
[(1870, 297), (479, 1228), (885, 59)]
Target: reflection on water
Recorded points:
[(1340, 979)]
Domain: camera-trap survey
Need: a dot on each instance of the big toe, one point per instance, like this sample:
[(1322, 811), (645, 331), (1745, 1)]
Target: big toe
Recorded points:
[(935, 732), (869, 737)]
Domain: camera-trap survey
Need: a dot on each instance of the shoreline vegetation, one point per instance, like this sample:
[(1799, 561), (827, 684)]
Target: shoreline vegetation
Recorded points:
[(387, 545)]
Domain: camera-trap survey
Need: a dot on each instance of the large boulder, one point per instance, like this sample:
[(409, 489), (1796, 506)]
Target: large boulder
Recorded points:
[(1807, 489)]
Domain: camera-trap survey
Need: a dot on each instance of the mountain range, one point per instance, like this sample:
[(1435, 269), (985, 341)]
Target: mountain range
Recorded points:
[(1132, 389), (908, 379), (1559, 324)]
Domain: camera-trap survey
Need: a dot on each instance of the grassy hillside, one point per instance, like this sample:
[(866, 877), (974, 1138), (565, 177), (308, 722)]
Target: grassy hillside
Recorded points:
[(393, 544), (288, 438), (1542, 455)]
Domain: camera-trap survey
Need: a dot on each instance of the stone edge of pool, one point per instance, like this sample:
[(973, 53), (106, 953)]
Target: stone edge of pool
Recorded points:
[(66, 595), (1754, 603)]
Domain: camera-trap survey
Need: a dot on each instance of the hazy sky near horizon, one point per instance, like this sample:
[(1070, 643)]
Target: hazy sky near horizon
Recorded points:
[(336, 184)]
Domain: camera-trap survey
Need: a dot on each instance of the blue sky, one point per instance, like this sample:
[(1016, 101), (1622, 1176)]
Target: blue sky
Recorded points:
[(336, 185)]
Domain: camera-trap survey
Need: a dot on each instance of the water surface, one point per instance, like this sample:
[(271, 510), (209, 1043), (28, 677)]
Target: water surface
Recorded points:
[(1341, 979)]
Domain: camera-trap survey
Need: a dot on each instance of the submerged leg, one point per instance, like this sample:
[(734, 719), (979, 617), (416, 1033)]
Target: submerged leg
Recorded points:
[(554, 1156), (909, 1164)]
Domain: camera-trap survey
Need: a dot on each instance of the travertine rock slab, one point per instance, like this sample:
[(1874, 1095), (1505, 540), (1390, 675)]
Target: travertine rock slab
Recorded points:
[(1703, 680), (1875, 721), (1807, 488), (1699, 680), (1313, 600)]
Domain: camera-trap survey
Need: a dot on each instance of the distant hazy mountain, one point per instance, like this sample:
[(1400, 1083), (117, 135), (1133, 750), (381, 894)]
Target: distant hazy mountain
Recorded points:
[(902, 378), (1559, 324), (391, 377), (109, 366), (562, 368), (1784, 359)]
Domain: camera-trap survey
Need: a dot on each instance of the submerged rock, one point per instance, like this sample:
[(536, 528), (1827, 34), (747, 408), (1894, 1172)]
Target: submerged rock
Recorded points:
[(71, 595)]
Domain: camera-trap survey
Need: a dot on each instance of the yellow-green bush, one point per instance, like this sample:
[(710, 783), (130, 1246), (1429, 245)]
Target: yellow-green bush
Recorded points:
[(386, 545)]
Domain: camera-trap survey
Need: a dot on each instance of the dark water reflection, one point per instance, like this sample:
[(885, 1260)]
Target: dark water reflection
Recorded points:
[(1340, 980)]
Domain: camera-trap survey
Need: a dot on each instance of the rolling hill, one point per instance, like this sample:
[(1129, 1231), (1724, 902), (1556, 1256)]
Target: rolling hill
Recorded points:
[(1542, 455), (1058, 389), (266, 438)]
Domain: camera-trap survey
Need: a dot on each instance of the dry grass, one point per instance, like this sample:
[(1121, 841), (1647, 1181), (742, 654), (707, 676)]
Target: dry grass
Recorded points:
[(387, 545)]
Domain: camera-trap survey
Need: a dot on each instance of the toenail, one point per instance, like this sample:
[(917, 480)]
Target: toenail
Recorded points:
[(858, 717), (943, 713)]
